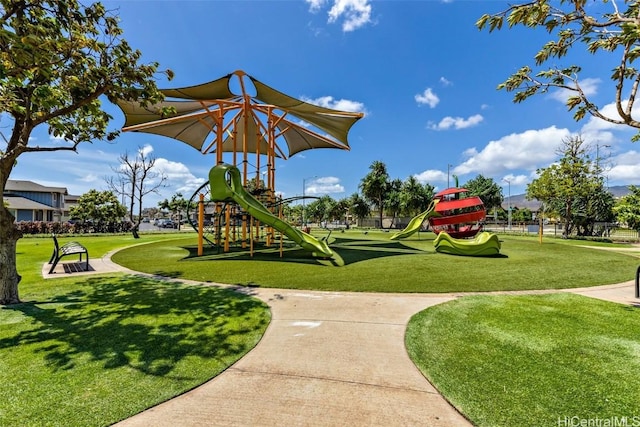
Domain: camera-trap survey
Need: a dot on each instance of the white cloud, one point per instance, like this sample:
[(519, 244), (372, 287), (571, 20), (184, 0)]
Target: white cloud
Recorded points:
[(146, 149), (179, 178), (324, 185), (427, 97), (515, 180), (90, 178), (336, 104), (626, 167), (527, 150), (356, 13), (589, 87), (595, 125), (457, 122), (430, 176), (353, 13), (445, 82), (315, 5)]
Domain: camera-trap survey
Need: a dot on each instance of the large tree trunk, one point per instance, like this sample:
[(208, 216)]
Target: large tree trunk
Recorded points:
[(9, 277)]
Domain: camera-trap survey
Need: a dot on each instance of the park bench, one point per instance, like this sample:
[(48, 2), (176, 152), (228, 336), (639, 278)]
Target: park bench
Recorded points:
[(70, 248)]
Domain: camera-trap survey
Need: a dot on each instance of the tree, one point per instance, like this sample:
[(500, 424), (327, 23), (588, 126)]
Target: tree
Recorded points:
[(359, 206), (176, 205), (320, 209), (393, 203), (568, 187), (617, 31), (339, 209), (135, 178), (627, 209), (375, 186), (487, 189), (58, 61), (99, 207), (415, 197), (521, 215)]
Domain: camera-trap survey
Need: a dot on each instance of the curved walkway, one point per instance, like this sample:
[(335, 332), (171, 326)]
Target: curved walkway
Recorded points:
[(326, 359)]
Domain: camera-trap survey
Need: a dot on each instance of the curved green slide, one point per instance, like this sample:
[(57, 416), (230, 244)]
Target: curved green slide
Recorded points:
[(415, 223), (483, 244), (226, 186)]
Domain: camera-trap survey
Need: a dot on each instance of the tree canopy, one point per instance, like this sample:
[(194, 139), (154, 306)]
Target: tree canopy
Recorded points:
[(59, 60), (375, 186), (573, 189), (627, 209), (487, 189), (99, 207), (604, 29)]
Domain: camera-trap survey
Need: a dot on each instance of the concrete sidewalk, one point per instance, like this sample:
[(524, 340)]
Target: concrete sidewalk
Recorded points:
[(326, 359)]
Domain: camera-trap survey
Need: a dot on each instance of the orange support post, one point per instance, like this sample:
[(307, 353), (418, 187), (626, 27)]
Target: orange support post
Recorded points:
[(201, 225)]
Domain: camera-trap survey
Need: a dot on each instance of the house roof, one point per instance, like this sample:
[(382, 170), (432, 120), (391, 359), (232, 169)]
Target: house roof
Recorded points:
[(17, 202), (19, 185)]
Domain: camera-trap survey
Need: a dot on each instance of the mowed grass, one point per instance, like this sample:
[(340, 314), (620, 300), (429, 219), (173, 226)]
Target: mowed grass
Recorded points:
[(92, 350), (373, 263), (531, 360)]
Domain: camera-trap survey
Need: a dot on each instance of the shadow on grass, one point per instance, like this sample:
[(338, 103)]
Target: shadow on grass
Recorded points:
[(108, 319), (346, 251)]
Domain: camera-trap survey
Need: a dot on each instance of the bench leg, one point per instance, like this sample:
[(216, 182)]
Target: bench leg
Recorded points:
[(53, 266)]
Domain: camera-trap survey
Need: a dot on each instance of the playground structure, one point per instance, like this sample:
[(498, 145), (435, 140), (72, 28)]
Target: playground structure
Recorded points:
[(416, 222), (226, 186), (483, 244), (459, 214), (456, 218), (246, 133)]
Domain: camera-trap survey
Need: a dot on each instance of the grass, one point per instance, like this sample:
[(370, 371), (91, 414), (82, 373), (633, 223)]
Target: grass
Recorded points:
[(92, 350), (531, 360), (374, 263)]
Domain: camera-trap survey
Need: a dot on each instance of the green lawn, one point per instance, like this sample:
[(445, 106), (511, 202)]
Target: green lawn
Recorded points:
[(531, 360), (92, 350), (373, 263)]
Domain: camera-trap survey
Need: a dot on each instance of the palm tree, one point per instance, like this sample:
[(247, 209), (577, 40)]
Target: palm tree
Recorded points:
[(375, 186)]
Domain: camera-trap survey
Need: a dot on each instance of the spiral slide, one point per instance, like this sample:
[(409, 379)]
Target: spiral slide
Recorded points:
[(416, 222), (226, 186)]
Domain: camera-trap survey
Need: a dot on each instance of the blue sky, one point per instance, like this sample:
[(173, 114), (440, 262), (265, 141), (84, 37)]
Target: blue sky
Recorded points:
[(422, 73)]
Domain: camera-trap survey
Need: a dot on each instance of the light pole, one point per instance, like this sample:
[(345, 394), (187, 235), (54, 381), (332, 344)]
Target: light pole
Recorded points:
[(448, 166), (304, 187), (508, 181), (598, 156)]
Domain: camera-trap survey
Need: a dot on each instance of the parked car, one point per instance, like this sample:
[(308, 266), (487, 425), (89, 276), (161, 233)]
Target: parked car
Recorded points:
[(166, 223)]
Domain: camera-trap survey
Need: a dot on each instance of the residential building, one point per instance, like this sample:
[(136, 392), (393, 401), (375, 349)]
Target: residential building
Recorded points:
[(30, 201)]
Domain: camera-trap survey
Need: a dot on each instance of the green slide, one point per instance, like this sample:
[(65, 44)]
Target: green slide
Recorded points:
[(226, 186), (415, 223), (484, 244)]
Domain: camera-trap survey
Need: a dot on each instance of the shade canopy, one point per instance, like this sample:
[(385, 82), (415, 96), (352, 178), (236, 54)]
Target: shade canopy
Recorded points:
[(211, 118)]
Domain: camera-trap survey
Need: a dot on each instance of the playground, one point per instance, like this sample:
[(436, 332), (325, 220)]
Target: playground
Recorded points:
[(80, 336), (253, 320)]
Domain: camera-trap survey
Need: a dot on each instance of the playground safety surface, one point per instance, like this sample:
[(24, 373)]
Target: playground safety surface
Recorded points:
[(326, 359)]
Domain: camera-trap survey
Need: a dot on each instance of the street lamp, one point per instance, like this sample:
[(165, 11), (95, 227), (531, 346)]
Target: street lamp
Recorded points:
[(304, 187), (508, 181), (598, 156), (448, 166)]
